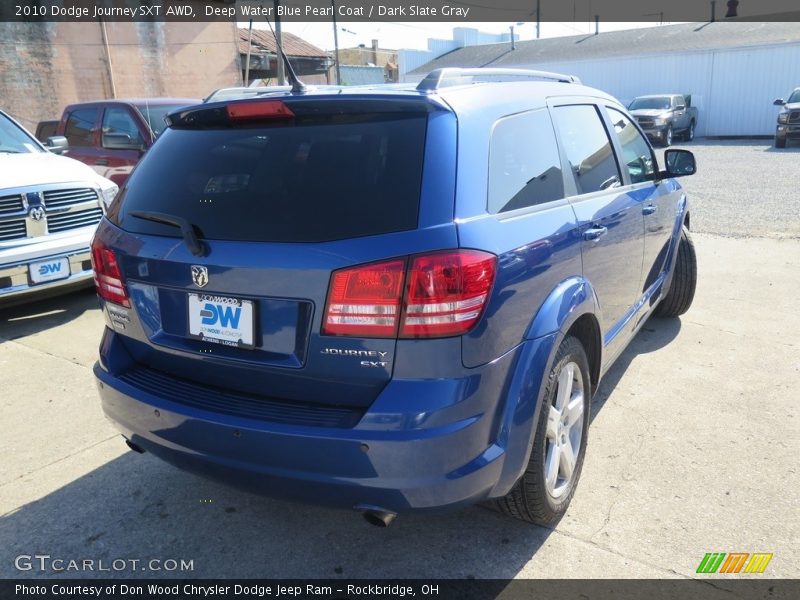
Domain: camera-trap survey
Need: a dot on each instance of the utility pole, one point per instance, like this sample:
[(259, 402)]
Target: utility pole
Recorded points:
[(538, 17), (247, 65), (281, 67), (336, 44), (108, 58), (513, 45)]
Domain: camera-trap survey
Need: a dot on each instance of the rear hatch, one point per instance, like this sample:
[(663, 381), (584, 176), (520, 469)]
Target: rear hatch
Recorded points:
[(279, 195)]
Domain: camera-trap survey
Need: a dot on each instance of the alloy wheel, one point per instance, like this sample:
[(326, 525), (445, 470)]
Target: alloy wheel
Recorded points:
[(564, 431)]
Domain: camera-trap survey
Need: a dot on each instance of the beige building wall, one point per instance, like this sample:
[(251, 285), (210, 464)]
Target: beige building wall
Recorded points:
[(45, 66)]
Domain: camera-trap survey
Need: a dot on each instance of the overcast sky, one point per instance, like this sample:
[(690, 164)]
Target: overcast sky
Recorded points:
[(415, 35)]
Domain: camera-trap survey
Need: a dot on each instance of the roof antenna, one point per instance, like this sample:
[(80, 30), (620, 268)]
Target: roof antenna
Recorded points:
[(298, 87)]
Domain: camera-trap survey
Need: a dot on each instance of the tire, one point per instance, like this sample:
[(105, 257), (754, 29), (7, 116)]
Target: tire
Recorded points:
[(668, 135), (684, 280), (689, 136), (780, 142), (533, 498)]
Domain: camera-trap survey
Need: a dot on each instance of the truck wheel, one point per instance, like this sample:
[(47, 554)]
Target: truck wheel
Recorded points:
[(544, 491), (780, 142), (684, 280), (690, 132), (668, 137)]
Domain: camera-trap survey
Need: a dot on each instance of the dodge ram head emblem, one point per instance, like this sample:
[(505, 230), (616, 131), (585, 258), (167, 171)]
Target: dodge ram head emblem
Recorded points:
[(199, 275), (36, 213)]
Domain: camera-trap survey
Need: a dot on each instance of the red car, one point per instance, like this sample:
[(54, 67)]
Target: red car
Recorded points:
[(112, 135)]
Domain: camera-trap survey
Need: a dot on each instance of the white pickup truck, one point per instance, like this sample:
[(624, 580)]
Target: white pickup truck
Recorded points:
[(49, 208)]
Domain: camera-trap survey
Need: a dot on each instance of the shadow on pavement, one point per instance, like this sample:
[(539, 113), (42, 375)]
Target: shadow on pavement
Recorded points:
[(136, 507), (32, 317), (654, 335)]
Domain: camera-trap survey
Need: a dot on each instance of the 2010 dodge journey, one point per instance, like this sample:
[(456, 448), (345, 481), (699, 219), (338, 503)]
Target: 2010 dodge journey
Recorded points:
[(388, 298)]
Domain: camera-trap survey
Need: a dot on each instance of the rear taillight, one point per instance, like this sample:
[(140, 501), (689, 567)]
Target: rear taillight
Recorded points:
[(433, 295), (446, 293), (365, 300), (108, 276)]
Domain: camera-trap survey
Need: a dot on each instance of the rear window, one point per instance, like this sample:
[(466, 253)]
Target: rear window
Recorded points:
[(328, 179)]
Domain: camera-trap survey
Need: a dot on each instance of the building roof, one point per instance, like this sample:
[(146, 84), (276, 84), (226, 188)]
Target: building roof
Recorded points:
[(686, 37), (264, 43)]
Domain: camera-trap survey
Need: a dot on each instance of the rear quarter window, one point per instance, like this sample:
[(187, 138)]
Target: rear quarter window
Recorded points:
[(325, 179), (524, 164)]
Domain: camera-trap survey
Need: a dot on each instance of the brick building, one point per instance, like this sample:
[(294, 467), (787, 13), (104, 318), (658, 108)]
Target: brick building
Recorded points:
[(45, 66)]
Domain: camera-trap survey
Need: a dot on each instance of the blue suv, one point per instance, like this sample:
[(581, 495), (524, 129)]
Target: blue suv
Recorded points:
[(389, 298)]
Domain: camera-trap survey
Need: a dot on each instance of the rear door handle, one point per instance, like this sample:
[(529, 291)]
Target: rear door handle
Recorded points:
[(649, 209), (594, 234), (101, 162)]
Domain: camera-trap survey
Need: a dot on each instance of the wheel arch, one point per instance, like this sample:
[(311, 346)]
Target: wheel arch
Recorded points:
[(570, 309)]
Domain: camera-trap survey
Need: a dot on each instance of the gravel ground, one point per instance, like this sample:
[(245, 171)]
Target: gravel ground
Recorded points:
[(745, 189)]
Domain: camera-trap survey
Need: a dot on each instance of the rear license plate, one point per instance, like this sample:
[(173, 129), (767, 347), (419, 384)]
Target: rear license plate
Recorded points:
[(49, 270), (221, 320)]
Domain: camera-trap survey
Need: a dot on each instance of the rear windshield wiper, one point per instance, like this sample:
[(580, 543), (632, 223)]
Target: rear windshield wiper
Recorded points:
[(187, 229)]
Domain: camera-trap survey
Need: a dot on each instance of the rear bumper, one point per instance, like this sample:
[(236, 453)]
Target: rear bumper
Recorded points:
[(453, 454)]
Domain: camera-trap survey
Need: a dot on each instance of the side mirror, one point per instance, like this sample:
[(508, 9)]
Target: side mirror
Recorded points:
[(680, 163), (57, 144), (779, 102), (680, 107), (120, 141)]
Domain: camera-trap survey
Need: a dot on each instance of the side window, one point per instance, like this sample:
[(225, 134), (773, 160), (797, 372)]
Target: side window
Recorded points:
[(587, 146), (119, 120), (636, 152), (524, 165), (79, 126)]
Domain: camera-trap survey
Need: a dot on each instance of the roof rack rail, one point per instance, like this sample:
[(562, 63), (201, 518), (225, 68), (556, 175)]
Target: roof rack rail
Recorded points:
[(448, 77)]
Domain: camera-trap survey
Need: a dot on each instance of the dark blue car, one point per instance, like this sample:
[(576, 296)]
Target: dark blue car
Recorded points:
[(390, 298)]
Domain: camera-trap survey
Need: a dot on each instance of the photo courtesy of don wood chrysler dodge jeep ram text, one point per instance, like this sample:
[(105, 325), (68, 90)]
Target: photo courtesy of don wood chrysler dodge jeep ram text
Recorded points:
[(388, 299)]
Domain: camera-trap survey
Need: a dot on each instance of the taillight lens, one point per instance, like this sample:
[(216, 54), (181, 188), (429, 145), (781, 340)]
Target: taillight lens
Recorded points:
[(108, 276), (440, 294), (365, 300), (447, 293)]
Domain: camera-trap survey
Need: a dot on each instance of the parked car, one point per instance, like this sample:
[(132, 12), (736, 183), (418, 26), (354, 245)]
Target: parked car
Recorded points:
[(664, 116), (112, 135), (49, 208), (788, 119), (388, 300)]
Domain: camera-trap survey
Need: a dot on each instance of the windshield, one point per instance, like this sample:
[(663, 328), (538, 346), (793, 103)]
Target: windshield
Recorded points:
[(14, 139), (154, 115), (659, 103), (795, 97)]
